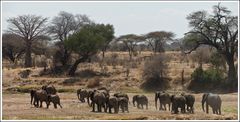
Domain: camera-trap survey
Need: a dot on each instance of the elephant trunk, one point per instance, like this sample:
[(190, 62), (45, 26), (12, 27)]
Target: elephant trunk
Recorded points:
[(203, 101), (32, 95)]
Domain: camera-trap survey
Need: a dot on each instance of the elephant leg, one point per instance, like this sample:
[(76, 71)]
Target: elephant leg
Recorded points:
[(109, 109), (55, 105), (41, 104), (142, 106), (47, 104), (214, 110), (88, 101), (219, 110), (207, 108), (60, 105), (93, 106), (138, 105), (169, 106), (146, 106)]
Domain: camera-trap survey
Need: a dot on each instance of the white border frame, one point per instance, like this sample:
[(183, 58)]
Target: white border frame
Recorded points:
[(236, 1)]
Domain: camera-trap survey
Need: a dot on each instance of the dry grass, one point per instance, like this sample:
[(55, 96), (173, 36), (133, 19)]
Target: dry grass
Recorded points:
[(73, 109), (115, 80)]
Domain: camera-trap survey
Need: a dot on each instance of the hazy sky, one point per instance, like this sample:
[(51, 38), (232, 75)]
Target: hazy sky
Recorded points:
[(127, 17)]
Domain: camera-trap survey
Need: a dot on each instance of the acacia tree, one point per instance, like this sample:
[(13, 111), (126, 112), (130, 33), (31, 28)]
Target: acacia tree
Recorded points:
[(86, 43), (29, 28), (218, 30), (108, 31), (157, 39), (10, 49), (61, 27), (130, 41)]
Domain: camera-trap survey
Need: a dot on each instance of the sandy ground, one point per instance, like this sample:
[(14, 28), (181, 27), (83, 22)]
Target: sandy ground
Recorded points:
[(17, 106)]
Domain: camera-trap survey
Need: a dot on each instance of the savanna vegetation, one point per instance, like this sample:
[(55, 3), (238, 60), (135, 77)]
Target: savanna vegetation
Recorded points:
[(72, 51)]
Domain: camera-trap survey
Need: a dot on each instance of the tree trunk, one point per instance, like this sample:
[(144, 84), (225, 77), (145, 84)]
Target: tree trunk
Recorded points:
[(232, 79), (28, 58), (75, 65), (65, 57), (103, 54)]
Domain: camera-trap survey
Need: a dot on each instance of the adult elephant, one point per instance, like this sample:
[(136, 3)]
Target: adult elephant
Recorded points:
[(164, 99), (178, 101), (190, 99), (112, 102), (50, 89), (39, 96), (100, 99), (212, 100), (83, 94), (141, 100)]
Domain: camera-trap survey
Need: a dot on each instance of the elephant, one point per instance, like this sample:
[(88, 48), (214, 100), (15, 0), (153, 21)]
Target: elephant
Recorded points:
[(123, 104), (164, 98), (178, 101), (214, 101), (55, 100), (141, 100), (100, 99), (113, 103), (50, 89), (39, 96), (190, 99), (84, 93)]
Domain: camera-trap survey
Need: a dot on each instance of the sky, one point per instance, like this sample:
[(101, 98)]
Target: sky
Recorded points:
[(126, 17)]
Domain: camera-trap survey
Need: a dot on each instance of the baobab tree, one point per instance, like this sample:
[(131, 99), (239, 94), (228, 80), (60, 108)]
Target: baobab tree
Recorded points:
[(29, 28), (63, 25), (218, 30)]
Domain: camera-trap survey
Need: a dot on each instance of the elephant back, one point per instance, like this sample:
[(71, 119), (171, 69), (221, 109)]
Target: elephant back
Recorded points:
[(50, 89)]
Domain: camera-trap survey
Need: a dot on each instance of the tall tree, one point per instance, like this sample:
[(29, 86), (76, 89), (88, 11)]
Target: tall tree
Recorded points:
[(61, 27), (130, 41), (12, 47), (29, 28), (218, 30), (108, 31), (157, 39), (86, 43)]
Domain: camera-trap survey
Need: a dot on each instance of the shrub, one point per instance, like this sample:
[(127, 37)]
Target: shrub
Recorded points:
[(155, 73), (205, 80)]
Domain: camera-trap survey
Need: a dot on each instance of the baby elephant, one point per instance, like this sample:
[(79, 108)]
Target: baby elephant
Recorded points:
[(55, 100), (141, 100), (123, 103), (112, 102)]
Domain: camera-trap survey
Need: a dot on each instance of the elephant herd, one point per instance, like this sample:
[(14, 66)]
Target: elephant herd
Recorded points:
[(101, 100), (46, 94)]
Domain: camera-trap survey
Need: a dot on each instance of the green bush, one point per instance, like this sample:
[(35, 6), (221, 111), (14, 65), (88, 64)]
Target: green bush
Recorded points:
[(206, 79)]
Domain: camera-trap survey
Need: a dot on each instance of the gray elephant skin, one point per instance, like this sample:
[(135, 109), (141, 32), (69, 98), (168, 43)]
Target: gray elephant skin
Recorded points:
[(164, 99), (212, 100), (190, 99), (112, 103), (141, 100), (50, 89), (123, 104), (100, 99), (83, 94), (39, 96), (178, 101), (55, 100)]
